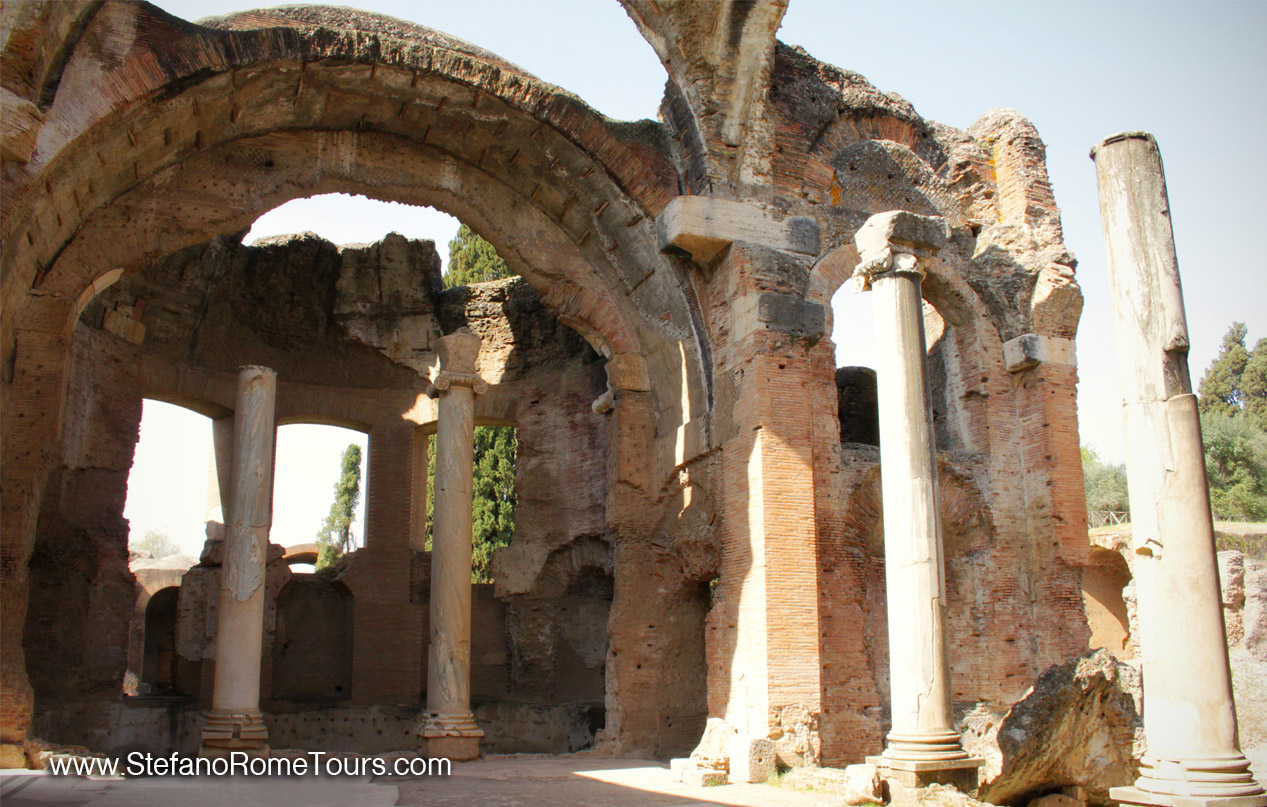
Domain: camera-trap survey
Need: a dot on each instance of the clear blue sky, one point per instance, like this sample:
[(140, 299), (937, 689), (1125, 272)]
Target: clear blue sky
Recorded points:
[(1192, 73)]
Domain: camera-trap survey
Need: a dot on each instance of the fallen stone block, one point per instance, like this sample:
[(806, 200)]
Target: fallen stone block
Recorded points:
[(751, 760), (678, 766), (858, 784), (704, 777), (713, 750), (1078, 725)]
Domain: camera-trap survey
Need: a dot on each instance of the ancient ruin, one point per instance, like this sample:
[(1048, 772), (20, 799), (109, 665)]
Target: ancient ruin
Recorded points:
[(705, 547)]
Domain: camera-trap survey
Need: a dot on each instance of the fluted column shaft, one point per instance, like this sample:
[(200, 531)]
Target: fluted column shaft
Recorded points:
[(235, 721), (1189, 714), (449, 654)]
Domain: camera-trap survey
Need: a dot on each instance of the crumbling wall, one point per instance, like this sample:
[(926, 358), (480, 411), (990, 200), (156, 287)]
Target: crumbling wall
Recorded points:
[(354, 345), (83, 594), (1011, 488), (312, 641)]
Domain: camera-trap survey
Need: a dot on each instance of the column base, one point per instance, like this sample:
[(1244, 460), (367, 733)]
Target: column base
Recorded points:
[(457, 749), (963, 774), (1133, 795), (227, 732), (454, 737), (1200, 779)]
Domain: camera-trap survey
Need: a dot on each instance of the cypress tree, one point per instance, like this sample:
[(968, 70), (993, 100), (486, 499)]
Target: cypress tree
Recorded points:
[(1254, 387), (335, 538), (1220, 389), (473, 260)]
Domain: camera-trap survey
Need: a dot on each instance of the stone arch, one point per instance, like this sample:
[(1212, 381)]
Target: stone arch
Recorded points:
[(196, 131), (470, 110)]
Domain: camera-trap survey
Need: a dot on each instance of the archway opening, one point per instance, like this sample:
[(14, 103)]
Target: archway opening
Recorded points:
[(853, 333), (173, 490), (494, 496), (158, 671), (343, 218), (319, 487)]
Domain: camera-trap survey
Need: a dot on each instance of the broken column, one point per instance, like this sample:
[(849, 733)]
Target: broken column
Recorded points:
[(449, 728), (235, 722), (923, 746), (1193, 754)]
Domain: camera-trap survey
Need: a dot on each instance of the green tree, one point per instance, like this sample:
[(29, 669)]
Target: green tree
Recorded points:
[(493, 505), (1254, 386), (493, 510), (158, 544), (1236, 466), (473, 260), (335, 538), (1233, 407), (1220, 388), (1105, 484)]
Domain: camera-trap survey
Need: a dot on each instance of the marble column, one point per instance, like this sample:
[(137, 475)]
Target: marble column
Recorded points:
[(1193, 754), (235, 722), (923, 746), (449, 728)]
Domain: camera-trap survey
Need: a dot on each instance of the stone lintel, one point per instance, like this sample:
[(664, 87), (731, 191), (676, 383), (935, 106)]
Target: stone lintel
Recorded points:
[(702, 226), (1031, 349), (897, 242), (902, 231), (963, 774), (1133, 795)]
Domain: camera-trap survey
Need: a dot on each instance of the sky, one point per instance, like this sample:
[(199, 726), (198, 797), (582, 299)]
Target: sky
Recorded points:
[(1192, 73)]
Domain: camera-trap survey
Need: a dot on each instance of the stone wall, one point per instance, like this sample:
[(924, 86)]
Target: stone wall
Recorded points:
[(358, 638)]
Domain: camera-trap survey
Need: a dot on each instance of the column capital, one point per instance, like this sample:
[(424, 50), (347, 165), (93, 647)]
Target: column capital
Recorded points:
[(458, 353), (446, 379), (897, 242)]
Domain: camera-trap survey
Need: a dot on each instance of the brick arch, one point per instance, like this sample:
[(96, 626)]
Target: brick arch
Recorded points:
[(967, 330), (944, 286), (189, 90)]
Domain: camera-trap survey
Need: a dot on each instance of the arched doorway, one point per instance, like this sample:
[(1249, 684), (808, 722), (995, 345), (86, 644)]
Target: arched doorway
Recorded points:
[(158, 673)]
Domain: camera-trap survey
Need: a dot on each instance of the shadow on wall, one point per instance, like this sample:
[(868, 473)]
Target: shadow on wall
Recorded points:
[(1104, 580), (312, 646)]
